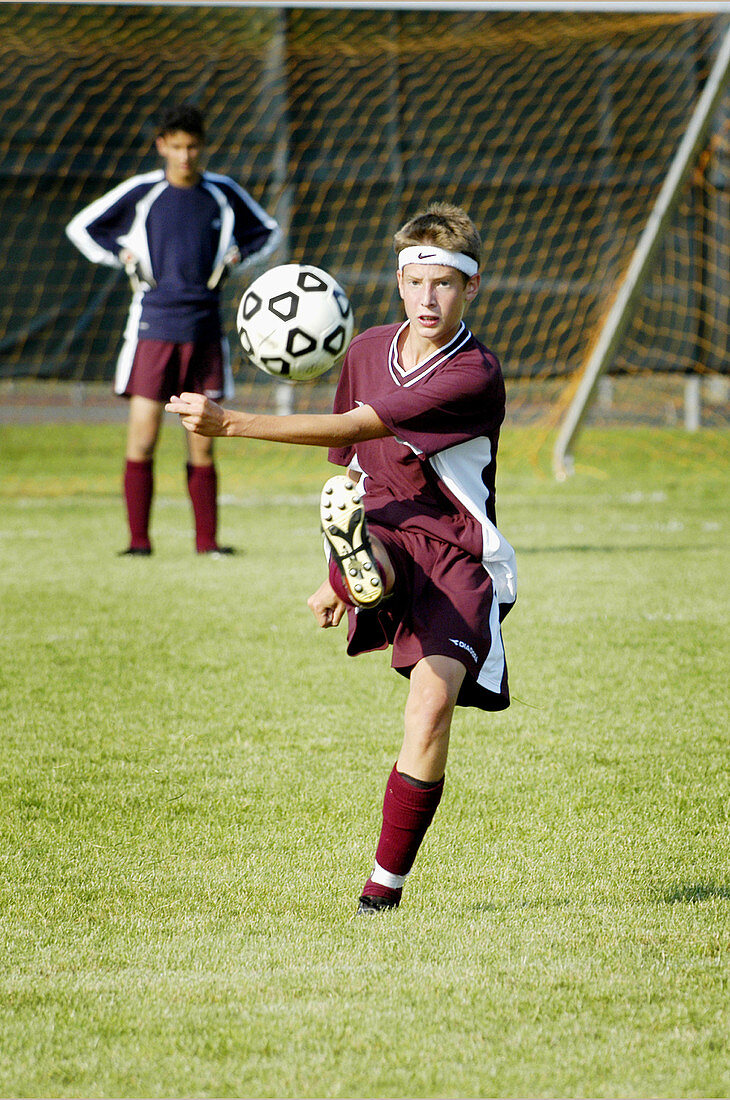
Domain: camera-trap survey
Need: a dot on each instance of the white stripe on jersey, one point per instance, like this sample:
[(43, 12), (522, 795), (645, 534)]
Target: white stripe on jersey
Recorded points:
[(227, 219), (136, 240), (77, 232), (274, 239)]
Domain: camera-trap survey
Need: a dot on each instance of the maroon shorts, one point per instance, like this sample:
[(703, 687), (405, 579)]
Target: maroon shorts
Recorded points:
[(442, 604), (162, 368)]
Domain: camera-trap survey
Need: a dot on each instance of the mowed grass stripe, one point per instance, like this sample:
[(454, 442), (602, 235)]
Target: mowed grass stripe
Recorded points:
[(192, 777)]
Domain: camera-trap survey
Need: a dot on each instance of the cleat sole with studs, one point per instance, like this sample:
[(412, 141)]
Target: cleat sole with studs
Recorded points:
[(342, 516)]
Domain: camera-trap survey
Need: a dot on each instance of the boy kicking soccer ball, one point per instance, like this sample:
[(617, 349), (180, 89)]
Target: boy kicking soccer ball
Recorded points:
[(415, 558)]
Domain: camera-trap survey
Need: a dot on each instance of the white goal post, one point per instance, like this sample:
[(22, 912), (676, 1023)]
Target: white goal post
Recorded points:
[(645, 252)]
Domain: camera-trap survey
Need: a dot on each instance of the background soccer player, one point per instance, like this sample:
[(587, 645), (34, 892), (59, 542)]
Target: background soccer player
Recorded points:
[(416, 560), (177, 231)]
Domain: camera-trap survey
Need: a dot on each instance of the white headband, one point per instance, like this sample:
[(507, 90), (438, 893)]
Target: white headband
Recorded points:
[(430, 254)]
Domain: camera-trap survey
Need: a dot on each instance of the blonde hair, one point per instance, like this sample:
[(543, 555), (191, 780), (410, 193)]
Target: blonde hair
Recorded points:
[(444, 225)]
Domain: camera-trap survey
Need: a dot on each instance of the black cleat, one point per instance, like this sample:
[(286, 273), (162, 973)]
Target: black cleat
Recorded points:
[(368, 905), (342, 517), (218, 552), (135, 552)]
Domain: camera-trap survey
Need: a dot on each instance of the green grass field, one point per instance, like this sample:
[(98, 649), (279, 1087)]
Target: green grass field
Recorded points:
[(192, 777)]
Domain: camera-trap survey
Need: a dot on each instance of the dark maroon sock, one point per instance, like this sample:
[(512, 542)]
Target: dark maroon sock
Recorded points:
[(203, 490), (138, 487), (408, 810), (338, 584)]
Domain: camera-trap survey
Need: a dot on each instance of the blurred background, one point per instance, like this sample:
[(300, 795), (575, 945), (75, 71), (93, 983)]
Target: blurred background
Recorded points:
[(554, 129)]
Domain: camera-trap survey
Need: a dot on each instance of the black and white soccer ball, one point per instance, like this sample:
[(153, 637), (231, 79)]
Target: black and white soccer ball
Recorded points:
[(294, 322)]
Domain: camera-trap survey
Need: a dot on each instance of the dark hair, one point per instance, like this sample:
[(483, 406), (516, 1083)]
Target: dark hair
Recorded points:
[(185, 117)]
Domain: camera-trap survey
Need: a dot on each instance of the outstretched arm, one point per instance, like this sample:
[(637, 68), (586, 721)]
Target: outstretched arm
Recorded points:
[(204, 417)]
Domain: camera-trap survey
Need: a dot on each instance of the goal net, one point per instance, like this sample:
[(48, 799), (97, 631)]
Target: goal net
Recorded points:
[(555, 129)]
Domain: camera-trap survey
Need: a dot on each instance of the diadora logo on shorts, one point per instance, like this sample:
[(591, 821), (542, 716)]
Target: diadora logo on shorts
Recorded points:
[(463, 645)]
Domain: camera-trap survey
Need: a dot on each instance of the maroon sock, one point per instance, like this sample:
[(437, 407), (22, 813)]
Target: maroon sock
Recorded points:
[(138, 486), (408, 810), (203, 490), (338, 584)]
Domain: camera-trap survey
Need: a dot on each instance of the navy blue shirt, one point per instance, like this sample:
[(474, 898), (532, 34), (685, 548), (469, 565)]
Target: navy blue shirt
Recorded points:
[(179, 235)]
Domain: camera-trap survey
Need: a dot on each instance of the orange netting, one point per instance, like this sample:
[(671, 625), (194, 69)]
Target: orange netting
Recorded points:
[(555, 130)]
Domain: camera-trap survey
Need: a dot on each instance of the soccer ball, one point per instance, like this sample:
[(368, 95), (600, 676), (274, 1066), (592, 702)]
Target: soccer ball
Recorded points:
[(294, 322)]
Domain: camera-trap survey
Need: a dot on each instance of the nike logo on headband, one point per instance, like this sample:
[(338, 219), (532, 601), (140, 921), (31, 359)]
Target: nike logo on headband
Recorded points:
[(417, 253)]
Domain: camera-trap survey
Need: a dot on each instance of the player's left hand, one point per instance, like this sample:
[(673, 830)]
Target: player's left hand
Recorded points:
[(326, 606), (198, 413)]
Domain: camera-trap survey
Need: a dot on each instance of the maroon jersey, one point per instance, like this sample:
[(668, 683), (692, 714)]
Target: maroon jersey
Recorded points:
[(436, 473)]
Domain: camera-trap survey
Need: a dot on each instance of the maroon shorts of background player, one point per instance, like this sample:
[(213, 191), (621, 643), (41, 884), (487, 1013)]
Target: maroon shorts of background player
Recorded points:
[(162, 368), (440, 605)]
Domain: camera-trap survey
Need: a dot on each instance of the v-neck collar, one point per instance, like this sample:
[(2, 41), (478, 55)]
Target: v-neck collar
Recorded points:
[(404, 377)]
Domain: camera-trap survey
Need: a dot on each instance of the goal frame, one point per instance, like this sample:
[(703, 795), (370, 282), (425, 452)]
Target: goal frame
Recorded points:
[(699, 8), (637, 272), (625, 293)]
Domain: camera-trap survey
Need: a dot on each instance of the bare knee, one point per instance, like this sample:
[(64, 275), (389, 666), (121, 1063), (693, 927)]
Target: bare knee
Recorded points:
[(141, 452), (145, 417), (430, 708), (434, 688)]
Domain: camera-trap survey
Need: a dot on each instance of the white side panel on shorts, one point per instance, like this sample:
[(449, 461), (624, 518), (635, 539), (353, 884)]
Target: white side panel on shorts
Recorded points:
[(129, 345), (492, 671), (460, 468)]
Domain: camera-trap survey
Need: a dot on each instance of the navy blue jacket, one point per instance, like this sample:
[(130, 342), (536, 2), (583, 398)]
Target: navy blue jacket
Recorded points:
[(179, 235)]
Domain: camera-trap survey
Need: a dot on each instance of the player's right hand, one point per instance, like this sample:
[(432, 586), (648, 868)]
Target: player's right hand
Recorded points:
[(198, 414)]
